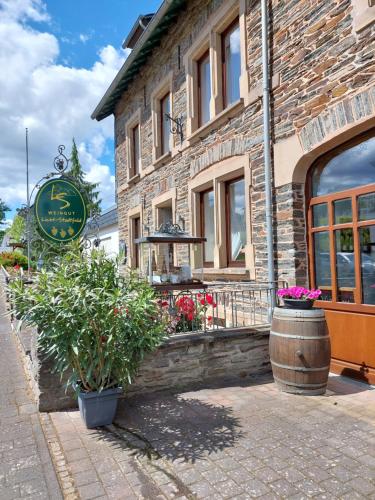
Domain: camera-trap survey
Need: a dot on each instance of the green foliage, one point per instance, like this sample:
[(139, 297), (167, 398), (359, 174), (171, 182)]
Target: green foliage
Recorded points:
[(17, 229), (11, 259), (89, 188), (3, 209), (91, 320)]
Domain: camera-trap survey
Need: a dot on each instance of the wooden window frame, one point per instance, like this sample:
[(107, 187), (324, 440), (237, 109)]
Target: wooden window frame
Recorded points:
[(163, 124), (230, 262), (136, 222), (224, 63), (355, 225), (200, 61), (206, 263), (135, 165)]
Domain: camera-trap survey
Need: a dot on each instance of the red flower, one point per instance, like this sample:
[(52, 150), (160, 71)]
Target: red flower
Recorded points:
[(203, 302), (190, 317), (164, 303), (16, 267), (214, 305), (209, 299), (209, 318), (116, 311)]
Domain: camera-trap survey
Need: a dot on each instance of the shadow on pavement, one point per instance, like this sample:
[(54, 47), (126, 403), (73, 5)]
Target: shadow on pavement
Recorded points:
[(177, 427)]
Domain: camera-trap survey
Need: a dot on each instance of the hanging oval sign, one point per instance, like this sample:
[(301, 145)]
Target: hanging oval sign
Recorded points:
[(60, 211)]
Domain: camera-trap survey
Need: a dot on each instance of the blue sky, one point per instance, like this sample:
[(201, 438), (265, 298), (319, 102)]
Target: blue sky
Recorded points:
[(57, 58), (103, 22)]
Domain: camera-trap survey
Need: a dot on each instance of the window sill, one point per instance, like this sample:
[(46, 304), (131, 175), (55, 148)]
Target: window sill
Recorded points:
[(223, 271), (134, 179), (215, 122), (162, 160)]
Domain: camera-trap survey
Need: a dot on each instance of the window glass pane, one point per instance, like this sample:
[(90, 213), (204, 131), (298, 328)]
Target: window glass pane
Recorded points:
[(232, 57), (136, 148), (345, 265), (136, 234), (165, 215), (165, 128), (367, 241), (349, 169), (208, 225), (320, 215), (204, 89), (366, 206), (237, 219), (322, 263), (343, 211)]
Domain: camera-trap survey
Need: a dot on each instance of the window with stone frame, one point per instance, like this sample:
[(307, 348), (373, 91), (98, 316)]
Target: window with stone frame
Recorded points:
[(136, 233), (133, 147), (216, 67), (161, 108), (207, 225), (135, 150), (231, 63), (204, 88), (165, 131), (235, 213)]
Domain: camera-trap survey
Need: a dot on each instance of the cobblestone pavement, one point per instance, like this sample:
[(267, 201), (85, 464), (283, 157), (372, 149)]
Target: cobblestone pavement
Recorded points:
[(26, 468), (240, 442)]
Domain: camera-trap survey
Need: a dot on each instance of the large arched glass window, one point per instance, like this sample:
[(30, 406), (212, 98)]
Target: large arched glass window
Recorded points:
[(347, 169), (341, 224)]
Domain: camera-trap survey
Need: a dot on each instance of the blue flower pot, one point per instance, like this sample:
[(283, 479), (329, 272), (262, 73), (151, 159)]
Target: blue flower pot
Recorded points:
[(98, 408)]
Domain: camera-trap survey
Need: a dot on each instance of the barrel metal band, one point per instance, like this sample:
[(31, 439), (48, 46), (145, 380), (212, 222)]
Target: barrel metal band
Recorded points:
[(297, 384), (301, 337), (299, 368)]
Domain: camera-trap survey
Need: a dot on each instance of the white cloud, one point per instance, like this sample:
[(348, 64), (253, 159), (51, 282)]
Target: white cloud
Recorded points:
[(84, 37), (53, 100), (19, 10)]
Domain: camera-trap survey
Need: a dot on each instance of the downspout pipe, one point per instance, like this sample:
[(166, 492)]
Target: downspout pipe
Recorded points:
[(267, 155)]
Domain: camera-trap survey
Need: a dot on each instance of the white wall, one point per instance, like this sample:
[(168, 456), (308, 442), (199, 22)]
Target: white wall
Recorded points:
[(109, 240)]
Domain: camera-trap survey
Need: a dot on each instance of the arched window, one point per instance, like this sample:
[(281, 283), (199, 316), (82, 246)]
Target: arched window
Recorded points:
[(347, 169), (341, 224)]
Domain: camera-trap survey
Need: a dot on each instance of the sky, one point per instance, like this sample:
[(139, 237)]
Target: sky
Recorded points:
[(57, 59)]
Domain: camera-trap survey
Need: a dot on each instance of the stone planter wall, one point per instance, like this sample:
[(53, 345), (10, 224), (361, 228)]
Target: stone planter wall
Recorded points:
[(182, 361)]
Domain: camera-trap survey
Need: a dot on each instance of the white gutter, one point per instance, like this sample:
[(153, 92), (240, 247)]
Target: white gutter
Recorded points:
[(267, 154)]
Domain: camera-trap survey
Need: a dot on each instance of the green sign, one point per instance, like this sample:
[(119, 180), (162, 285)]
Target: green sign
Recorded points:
[(60, 211)]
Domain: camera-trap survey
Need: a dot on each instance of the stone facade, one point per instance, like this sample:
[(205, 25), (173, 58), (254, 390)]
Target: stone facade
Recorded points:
[(322, 86), (182, 361)]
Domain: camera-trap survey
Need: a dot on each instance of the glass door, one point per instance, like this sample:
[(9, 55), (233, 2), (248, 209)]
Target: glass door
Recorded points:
[(342, 248)]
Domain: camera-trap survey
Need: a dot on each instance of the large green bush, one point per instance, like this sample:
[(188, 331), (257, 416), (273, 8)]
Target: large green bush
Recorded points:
[(11, 259), (92, 321)]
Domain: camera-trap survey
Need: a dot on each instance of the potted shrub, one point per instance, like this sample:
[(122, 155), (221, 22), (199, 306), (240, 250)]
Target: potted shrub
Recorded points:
[(297, 297), (96, 324)]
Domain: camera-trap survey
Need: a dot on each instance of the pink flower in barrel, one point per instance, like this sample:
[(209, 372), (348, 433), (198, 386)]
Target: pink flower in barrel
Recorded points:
[(298, 297)]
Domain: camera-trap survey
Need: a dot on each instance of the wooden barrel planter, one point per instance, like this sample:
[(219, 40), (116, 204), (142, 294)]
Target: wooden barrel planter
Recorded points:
[(300, 351)]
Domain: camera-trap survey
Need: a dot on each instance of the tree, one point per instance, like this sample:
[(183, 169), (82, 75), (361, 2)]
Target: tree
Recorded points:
[(17, 229), (3, 209), (89, 188)]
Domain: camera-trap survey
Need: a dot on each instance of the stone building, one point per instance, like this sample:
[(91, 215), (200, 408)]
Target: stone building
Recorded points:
[(199, 62)]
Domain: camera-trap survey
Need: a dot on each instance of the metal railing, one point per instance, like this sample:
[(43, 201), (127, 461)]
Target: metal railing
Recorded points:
[(218, 307)]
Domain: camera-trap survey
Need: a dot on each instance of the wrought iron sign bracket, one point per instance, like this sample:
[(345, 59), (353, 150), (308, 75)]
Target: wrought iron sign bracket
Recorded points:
[(175, 125)]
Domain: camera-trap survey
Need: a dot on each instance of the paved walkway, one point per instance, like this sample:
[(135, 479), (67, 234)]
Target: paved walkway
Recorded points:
[(237, 442), (26, 468)]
